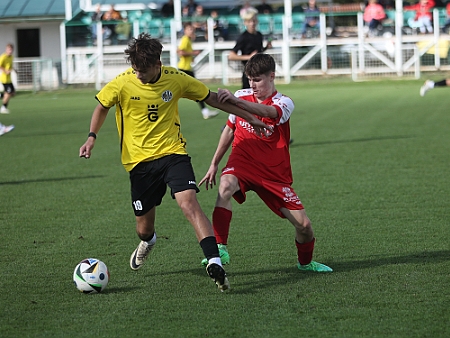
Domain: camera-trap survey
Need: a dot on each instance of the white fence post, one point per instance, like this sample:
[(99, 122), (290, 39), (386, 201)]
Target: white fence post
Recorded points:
[(286, 56)]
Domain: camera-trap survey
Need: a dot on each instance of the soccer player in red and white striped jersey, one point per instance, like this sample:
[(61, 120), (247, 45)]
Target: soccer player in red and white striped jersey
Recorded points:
[(259, 164)]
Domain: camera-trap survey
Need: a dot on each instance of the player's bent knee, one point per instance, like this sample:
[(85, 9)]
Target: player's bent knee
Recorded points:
[(227, 189), (304, 226)]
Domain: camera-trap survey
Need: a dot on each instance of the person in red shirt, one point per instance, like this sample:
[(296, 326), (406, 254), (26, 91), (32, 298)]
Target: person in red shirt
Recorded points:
[(424, 16), (445, 29), (374, 15), (259, 164)]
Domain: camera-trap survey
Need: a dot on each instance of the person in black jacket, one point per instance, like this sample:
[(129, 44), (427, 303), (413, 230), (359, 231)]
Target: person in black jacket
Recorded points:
[(248, 43)]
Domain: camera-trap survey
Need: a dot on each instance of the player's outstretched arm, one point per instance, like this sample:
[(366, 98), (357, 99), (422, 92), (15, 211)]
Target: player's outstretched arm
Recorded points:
[(98, 117), (224, 95), (261, 129), (226, 138), (233, 56)]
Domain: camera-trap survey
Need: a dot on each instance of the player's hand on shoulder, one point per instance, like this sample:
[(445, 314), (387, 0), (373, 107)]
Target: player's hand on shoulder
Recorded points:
[(224, 95)]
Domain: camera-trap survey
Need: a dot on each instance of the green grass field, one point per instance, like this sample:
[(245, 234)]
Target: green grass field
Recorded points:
[(370, 163)]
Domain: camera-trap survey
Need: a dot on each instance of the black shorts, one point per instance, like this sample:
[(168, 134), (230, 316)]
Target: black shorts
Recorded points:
[(9, 88), (150, 179)]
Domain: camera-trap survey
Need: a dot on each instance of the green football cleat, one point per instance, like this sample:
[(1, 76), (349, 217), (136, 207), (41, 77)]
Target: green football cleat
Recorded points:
[(223, 253), (314, 266)]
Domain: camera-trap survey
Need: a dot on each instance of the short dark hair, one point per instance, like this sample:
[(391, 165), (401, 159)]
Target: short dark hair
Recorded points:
[(143, 51), (259, 64), (187, 24)]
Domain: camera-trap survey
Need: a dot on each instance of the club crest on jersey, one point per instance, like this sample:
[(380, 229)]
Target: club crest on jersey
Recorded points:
[(167, 96), (290, 196)]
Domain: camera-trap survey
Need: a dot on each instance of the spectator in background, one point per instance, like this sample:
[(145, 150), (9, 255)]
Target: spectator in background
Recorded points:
[(167, 10), (244, 9), (445, 29), (191, 7), (96, 17), (199, 22), (220, 29), (312, 13), (199, 12), (424, 16), (374, 14), (264, 8), (112, 15), (186, 54), (6, 68), (185, 12), (387, 4), (249, 42), (123, 30)]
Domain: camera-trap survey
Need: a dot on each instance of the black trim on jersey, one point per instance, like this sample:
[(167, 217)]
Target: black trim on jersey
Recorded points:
[(183, 142), (209, 93), (101, 103), (122, 127)]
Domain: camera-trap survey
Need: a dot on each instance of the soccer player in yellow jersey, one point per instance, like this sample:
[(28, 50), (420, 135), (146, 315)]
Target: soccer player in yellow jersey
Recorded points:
[(153, 147), (186, 53), (6, 67)]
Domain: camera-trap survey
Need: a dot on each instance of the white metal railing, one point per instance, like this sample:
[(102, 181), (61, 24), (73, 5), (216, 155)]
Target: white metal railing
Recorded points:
[(322, 55), (373, 64), (35, 74)]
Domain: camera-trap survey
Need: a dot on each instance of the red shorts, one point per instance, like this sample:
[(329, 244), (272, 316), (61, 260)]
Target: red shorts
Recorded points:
[(276, 195)]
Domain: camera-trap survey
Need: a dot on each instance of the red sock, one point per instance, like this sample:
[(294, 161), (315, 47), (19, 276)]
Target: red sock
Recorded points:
[(221, 219), (305, 251)]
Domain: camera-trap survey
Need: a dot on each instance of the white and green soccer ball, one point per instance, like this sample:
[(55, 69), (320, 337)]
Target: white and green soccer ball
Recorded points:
[(91, 276)]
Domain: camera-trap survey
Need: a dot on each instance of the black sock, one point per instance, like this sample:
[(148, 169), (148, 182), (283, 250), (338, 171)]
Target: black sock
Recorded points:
[(209, 247), (147, 239), (441, 83)]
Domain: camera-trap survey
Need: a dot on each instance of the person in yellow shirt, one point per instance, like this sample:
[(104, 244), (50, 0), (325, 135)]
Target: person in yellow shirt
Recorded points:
[(6, 67), (186, 54), (153, 148)]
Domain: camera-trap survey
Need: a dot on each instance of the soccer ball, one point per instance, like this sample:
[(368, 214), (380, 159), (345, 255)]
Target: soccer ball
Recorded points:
[(91, 276)]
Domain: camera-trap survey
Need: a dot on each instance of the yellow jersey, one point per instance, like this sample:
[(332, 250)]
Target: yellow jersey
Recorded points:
[(6, 62), (147, 115), (185, 61)]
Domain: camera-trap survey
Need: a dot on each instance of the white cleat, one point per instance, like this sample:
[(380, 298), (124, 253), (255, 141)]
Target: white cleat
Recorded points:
[(5, 129), (207, 114), (139, 255), (428, 85)]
